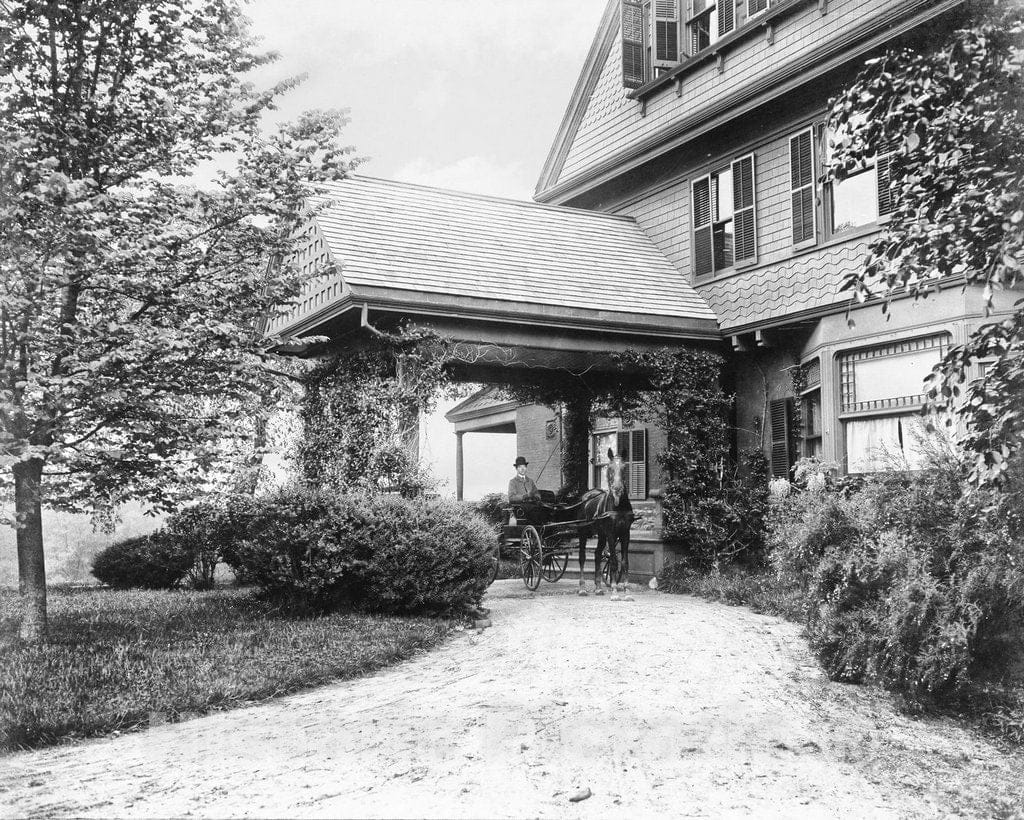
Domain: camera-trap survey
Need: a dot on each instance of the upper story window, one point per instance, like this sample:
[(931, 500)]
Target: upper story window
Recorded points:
[(657, 34), (707, 21), (650, 39), (866, 195), (722, 206)]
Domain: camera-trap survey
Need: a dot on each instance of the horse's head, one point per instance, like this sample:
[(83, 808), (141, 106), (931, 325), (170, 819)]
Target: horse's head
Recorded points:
[(616, 481)]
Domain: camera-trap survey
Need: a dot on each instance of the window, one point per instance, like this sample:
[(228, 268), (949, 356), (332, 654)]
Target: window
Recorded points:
[(708, 21), (650, 39), (865, 196), (810, 411), (881, 394), (755, 7), (780, 413), (632, 446), (724, 218), (801, 184)]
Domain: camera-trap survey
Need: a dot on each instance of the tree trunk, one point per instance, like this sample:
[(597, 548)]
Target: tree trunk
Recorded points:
[(31, 565), (576, 444)]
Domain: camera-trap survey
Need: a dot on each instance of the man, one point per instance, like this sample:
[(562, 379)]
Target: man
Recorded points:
[(521, 488)]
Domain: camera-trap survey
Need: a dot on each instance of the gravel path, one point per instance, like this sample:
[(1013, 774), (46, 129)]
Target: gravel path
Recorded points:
[(663, 706)]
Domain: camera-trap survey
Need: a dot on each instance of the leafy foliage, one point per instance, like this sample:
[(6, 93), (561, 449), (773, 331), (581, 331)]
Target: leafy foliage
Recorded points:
[(361, 407), (205, 531), (906, 581), (131, 302), (146, 562), (317, 550), (953, 108)]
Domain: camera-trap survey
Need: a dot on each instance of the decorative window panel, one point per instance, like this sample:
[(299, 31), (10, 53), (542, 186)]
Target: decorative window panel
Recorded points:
[(889, 377)]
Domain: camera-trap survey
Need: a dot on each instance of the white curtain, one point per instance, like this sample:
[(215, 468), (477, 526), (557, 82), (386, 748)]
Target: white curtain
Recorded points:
[(873, 445)]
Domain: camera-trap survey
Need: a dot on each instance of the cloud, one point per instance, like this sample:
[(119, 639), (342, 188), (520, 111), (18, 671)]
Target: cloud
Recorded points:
[(475, 174)]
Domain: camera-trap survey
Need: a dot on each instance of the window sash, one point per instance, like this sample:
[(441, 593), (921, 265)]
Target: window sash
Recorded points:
[(756, 7), (863, 378)]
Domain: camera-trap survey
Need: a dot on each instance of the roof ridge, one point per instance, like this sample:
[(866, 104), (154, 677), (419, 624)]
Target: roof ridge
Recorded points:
[(487, 197)]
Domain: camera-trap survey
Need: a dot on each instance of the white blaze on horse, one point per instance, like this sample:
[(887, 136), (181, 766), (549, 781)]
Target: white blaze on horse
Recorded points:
[(611, 515)]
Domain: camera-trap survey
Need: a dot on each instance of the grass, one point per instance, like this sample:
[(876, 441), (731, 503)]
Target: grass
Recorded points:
[(754, 587), (121, 660)]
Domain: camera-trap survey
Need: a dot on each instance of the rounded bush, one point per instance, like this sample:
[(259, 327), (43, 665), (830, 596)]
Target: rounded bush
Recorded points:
[(389, 554), (151, 561)]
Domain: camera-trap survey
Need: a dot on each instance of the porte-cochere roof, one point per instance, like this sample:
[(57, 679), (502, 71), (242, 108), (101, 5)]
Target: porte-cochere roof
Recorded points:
[(427, 252)]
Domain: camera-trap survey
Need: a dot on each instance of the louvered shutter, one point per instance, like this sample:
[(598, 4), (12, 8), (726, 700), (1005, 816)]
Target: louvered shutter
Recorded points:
[(886, 198), (744, 212), (726, 16), (638, 464), (780, 411), (703, 242), (622, 446), (756, 7), (633, 75), (666, 33), (801, 166)]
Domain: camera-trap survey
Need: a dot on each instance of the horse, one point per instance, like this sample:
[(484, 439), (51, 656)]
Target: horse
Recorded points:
[(610, 515)]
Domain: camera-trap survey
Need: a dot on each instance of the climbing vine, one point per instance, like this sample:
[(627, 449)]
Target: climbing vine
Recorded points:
[(360, 412)]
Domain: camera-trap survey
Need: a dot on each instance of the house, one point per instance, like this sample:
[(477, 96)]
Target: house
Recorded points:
[(705, 122), (690, 161)]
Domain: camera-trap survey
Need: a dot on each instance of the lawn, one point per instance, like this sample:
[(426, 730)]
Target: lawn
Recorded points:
[(122, 660)]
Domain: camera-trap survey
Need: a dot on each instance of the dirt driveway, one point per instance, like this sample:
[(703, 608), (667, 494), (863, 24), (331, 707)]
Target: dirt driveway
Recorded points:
[(663, 706)]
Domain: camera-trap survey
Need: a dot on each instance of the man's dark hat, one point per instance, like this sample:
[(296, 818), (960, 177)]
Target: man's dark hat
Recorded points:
[(520, 460)]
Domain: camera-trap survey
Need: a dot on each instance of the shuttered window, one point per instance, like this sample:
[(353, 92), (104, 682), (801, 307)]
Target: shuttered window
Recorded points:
[(632, 446), (666, 34), (744, 212), (780, 412), (726, 16), (633, 71), (703, 256), (886, 195), (801, 167), (755, 7)]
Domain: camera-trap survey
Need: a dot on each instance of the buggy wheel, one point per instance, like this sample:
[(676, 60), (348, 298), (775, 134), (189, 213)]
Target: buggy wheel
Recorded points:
[(554, 564), (531, 551)]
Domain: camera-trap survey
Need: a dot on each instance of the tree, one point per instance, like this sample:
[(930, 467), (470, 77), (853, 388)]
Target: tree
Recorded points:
[(953, 109), (131, 302)]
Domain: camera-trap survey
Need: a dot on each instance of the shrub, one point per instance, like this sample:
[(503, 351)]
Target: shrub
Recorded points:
[(390, 554), (906, 582), (151, 561), (204, 530), (491, 508)]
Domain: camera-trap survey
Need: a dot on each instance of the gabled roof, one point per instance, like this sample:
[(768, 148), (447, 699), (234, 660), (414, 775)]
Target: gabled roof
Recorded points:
[(578, 102), (471, 255), (488, 400)]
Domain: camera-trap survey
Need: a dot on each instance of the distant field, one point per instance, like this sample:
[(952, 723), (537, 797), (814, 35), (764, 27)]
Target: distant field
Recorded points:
[(70, 543), (123, 660)]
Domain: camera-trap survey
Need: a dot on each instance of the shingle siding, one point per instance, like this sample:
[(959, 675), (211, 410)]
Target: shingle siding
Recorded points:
[(613, 121), (783, 281)]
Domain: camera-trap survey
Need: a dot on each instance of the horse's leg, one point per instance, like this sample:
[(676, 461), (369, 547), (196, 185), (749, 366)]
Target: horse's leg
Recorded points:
[(602, 540), (613, 561), (624, 571), (583, 560)]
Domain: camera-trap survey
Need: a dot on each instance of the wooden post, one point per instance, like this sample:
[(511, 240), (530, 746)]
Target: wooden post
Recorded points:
[(458, 466)]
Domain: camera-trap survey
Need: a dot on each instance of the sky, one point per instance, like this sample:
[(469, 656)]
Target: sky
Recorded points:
[(461, 94)]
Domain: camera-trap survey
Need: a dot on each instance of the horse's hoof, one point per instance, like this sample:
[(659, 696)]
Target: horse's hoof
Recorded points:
[(581, 592), (615, 597), (625, 597), (599, 591)]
